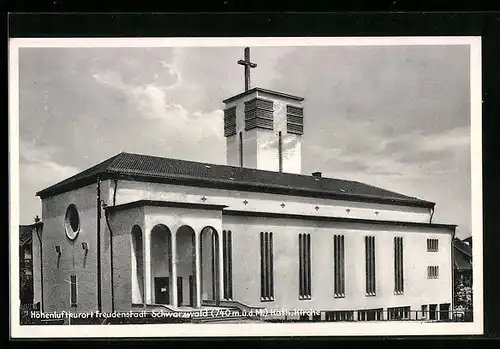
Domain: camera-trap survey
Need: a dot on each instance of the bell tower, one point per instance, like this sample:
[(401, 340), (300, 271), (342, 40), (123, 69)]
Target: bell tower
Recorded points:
[(263, 128)]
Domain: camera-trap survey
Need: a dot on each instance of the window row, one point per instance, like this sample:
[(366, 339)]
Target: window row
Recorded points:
[(433, 312), (339, 268)]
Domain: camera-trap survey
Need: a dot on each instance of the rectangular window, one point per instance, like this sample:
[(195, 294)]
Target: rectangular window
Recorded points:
[(304, 266), (340, 315), (339, 266), (432, 245), (370, 265), (258, 114), (280, 152), (266, 267), (398, 266), (444, 311), (433, 314), (398, 313), (425, 312), (294, 119), (73, 290), (241, 149), (433, 272), (230, 121), (370, 315), (227, 255)]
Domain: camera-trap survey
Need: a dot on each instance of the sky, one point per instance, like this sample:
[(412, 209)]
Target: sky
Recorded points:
[(397, 117)]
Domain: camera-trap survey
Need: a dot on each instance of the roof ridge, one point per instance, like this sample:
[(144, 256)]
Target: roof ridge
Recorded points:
[(113, 160)]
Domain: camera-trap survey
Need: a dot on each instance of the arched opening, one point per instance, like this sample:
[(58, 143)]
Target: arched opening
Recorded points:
[(161, 263), (186, 273), (209, 257), (137, 267)]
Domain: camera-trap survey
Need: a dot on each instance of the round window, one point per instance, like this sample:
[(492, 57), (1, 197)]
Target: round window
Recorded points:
[(72, 222)]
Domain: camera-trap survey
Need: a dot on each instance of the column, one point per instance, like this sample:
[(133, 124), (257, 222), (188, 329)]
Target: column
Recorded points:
[(173, 281), (221, 271), (197, 243), (147, 266)]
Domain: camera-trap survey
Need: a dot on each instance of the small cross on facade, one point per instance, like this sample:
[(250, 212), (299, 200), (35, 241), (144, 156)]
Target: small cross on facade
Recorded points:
[(245, 202), (348, 210), (316, 208), (247, 64), (282, 205), (203, 199), (37, 219)]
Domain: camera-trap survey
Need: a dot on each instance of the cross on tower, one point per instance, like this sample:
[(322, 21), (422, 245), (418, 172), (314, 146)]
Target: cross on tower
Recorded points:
[(247, 64)]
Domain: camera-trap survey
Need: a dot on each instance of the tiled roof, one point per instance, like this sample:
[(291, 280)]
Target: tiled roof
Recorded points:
[(158, 169), (462, 246), (462, 263), (462, 255)]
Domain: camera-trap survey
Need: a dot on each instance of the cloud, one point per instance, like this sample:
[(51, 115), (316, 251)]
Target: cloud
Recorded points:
[(37, 170), (37, 164), (174, 126), (396, 117)]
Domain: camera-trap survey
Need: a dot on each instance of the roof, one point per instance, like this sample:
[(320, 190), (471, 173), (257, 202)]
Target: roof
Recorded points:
[(462, 255), (258, 89), (462, 247), (167, 170), (25, 234)]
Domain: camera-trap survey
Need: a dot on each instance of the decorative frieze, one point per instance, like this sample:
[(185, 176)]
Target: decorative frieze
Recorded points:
[(258, 114)]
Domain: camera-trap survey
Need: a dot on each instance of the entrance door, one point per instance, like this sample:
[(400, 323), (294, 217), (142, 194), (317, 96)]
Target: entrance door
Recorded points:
[(162, 292)]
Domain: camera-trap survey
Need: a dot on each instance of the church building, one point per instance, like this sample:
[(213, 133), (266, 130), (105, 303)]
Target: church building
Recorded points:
[(141, 232)]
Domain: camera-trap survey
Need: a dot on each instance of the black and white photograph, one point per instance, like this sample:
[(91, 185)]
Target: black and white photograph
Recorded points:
[(245, 186)]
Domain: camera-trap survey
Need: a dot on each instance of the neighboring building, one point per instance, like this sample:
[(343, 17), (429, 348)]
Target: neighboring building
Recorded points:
[(30, 277), (463, 276), (463, 259), (468, 241), (26, 289), (137, 230)]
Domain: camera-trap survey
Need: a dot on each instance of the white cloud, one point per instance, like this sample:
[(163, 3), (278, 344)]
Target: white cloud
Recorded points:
[(37, 170)]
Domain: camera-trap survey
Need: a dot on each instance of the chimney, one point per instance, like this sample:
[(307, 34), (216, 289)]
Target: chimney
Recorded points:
[(316, 174)]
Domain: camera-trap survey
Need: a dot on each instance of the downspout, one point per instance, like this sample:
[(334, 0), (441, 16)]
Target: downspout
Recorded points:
[(106, 214), (99, 305), (432, 214), (38, 227)]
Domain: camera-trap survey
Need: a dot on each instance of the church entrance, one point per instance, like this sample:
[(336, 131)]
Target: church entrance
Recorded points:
[(209, 257), (185, 268), (162, 290), (161, 263)]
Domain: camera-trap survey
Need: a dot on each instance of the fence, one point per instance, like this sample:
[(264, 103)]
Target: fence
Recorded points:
[(395, 314)]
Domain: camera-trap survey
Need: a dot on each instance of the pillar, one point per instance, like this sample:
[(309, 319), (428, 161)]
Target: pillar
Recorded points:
[(197, 245), (173, 281), (147, 266)]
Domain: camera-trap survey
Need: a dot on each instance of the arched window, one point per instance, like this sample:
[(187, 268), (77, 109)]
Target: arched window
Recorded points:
[(280, 152), (241, 149)]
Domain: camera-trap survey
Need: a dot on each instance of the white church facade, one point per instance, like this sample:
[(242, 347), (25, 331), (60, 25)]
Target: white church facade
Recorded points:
[(138, 231)]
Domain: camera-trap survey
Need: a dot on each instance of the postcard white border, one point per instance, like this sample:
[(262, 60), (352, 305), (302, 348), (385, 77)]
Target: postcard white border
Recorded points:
[(249, 330)]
